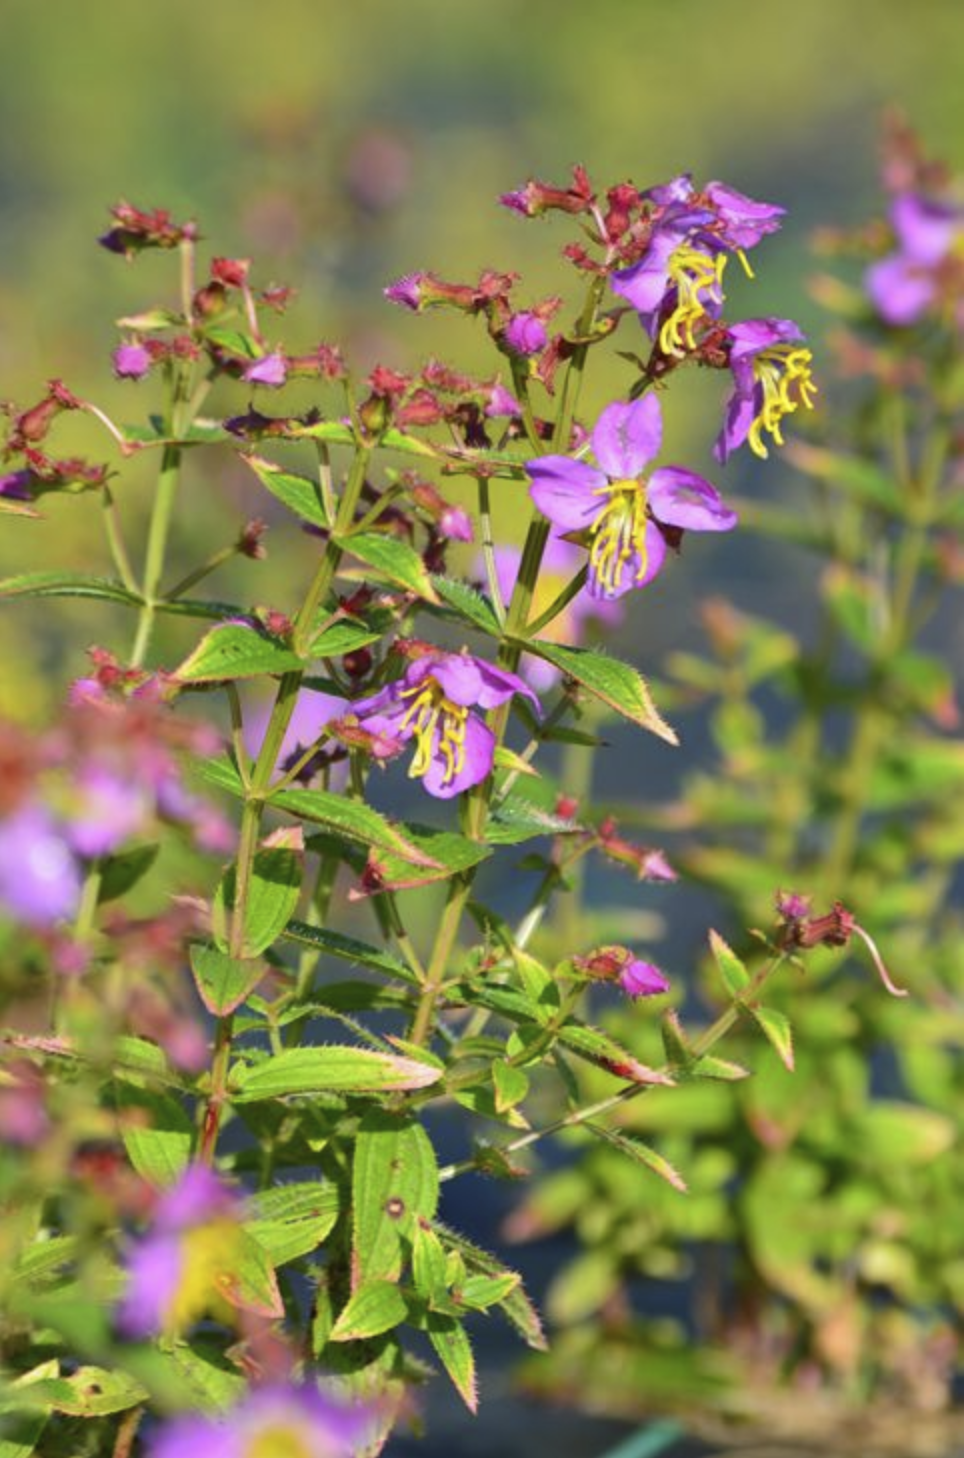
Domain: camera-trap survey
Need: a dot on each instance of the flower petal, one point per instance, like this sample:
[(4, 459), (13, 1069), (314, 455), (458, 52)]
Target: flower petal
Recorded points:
[(477, 762), (564, 491), (498, 685), (627, 437), (682, 499), (459, 678)]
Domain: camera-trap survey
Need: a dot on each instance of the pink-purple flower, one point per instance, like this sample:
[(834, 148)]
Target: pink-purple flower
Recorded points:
[(275, 1421), (270, 369), (771, 379), (40, 880), (431, 703), (677, 284), (132, 361), (525, 334), (905, 284), (183, 1266), (627, 518)]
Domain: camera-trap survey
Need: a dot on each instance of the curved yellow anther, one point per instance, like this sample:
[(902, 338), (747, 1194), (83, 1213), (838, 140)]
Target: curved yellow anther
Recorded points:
[(619, 534), (783, 372), (698, 278), (436, 723)]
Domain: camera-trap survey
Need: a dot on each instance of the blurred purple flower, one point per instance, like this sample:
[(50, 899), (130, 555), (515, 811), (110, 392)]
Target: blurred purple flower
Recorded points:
[(40, 880), (270, 369), (176, 1271), (623, 514), (560, 563), (107, 809), (501, 402), (430, 703), (312, 712), (131, 361), (903, 285), (271, 1422), (771, 378)]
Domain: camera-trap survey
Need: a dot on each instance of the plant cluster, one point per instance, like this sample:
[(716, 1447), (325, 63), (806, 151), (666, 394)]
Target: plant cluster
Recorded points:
[(221, 1193)]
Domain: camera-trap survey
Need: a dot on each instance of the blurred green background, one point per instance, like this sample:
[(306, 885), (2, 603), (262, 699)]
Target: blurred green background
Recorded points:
[(343, 145)]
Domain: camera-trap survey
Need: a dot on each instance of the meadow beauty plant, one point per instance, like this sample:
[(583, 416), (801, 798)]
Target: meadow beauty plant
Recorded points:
[(243, 956)]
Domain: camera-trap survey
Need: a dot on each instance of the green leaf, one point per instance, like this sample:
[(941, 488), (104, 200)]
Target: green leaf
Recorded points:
[(329, 1069), (67, 584), (200, 432), (735, 976), (392, 559), (640, 1153), (481, 1292), (376, 1307), (20, 1431), (296, 1226), (775, 1027), (157, 1132), (96, 1392), (511, 1085), (186, 1377), (272, 897), (300, 494), (454, 1351), (349, 949), (429, 1266), (359, 822), (616, 683), (344, 636), (517, 819), (236, 650), (719, 1068), (603, 1051), (223, 982), (394, 1187), (517, 1308), (445, 854), (471, 606), (121, 872), (862, 480), (250, 1284)]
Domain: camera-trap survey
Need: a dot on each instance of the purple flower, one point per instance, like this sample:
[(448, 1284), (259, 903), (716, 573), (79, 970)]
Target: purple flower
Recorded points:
[(903, 285), (642, 979), (108, 810), (625, 516), (455, 524), (39, 878), (771, 378), (745, 221), (185, 1265), (276, 1421), (17, 485), (675, 285), (678, 282), (131, 361), (430, 703), (501, 402), (525, 334), (270, 369), (560, 563), (406, 291)]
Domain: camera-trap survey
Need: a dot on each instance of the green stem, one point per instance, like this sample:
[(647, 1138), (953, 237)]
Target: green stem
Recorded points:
[(441, 955), (575, 1117), (157, 537), (116, 543), (488, 549)]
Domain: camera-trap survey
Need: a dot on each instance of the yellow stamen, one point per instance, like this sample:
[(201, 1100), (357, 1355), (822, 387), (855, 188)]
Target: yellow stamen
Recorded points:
[(697, 278), (784, 373), (618, 534), (277, 1442), (436, 723), (209, 1255)]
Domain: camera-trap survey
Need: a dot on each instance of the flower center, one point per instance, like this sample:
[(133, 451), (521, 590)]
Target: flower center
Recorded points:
[(698, 280), (435, 723), (785, 380), (619, 534), (277, 1441)]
